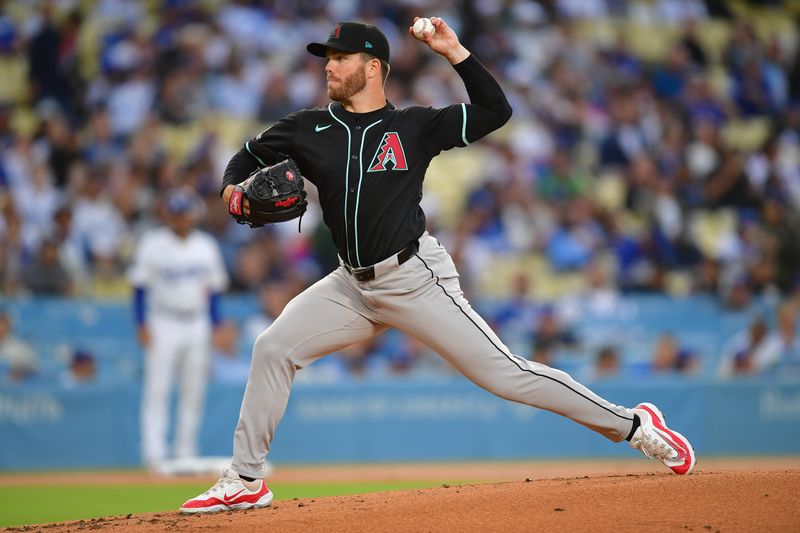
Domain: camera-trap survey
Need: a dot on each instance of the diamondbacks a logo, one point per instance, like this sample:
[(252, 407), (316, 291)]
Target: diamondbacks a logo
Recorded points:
[(336, 31), (390, 150)]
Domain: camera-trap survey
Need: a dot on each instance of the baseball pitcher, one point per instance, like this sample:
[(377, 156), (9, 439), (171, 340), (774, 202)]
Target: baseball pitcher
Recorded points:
[(368, 161)]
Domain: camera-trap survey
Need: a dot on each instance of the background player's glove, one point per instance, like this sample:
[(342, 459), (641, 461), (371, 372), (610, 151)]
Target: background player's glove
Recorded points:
[(275, 194)]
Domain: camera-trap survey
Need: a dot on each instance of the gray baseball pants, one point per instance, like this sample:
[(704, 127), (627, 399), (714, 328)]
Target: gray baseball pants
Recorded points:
[(423, 298)]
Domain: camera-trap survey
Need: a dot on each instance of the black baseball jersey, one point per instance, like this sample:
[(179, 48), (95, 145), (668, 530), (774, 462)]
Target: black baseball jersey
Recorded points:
[(369, 167)]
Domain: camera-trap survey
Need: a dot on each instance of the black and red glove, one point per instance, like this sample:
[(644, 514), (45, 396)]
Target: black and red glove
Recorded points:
[(274, 194)]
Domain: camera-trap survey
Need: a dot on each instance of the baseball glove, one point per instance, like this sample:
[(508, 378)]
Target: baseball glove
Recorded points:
[(275, 194)]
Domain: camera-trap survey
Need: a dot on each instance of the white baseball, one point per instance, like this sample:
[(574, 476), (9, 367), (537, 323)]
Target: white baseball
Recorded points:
[(423, 27)]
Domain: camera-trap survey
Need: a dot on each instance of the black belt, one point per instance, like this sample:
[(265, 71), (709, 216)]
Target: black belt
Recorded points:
[(368, 273)]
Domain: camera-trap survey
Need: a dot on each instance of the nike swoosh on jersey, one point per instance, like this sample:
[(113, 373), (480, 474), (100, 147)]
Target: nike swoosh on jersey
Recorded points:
[(319, 128)]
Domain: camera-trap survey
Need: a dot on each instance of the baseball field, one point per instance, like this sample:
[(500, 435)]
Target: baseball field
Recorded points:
[(725, 494)]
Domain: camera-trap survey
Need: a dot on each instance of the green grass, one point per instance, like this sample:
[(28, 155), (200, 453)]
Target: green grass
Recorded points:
[(24, 505)]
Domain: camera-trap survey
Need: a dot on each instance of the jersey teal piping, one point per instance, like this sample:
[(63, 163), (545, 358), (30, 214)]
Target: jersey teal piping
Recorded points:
[(346, 179), (464, 124), (247, 145), (360, 177)]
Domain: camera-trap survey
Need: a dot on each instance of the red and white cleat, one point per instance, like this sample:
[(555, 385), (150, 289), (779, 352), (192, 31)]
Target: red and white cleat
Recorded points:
[(230, 492), (654, 439)]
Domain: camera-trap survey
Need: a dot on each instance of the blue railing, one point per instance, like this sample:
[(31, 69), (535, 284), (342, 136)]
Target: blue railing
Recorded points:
[(396, 420), (45, 425)]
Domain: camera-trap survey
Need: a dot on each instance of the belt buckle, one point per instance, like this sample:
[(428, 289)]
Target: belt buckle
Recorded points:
[(363, 273)]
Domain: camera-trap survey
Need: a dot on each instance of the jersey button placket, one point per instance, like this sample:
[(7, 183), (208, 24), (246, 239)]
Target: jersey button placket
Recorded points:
[(352, 189)]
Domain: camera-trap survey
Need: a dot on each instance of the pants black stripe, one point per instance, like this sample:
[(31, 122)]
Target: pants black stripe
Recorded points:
[(508, 356)]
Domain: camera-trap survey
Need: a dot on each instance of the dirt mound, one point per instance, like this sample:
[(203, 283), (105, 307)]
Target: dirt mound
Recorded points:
[(708, 501)]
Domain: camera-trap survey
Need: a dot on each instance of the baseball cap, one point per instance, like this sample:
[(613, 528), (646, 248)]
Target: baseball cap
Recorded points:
[(182, 201), (354, 37)]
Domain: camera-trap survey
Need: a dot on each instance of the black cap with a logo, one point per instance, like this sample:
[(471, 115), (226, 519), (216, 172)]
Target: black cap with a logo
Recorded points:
[(354, 37)]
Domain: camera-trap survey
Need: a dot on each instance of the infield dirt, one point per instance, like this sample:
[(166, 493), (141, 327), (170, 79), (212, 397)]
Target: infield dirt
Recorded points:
[(710, 500)]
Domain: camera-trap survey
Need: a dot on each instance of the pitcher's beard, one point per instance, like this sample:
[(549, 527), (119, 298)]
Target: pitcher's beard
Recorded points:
[(349, 86)]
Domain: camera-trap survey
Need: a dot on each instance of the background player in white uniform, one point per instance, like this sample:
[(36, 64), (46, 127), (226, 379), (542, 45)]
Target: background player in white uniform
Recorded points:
[(178, 275)]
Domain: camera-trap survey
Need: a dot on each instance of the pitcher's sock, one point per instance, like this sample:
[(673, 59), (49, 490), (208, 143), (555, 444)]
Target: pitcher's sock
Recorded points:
[(636, 424)]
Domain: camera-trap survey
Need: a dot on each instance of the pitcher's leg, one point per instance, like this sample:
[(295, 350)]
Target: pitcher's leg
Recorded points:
[(326, 317), (440, 316)]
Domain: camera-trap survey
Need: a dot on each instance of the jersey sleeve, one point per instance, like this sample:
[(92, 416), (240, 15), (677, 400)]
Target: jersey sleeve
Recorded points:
[(275, 143), (445, 128), (461, 124)]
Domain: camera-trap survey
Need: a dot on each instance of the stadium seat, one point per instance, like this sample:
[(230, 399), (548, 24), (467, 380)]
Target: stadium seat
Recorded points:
[(24, 121), (709, 228), (450, 178), (180, 140), (769, 23), (678, 283), (720, 81), (650, 42), (601, 32), (231, 131), (13, 72), (714, 35), (609, 191), (747, 135)]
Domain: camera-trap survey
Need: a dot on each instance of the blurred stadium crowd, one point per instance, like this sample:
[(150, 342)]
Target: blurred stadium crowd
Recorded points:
[(654, 148)]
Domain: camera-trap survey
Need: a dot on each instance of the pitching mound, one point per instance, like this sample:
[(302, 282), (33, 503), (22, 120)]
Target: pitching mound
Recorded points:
[(708, 501)]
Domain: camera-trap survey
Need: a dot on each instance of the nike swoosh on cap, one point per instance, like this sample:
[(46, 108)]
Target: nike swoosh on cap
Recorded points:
[(319, 128)]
